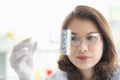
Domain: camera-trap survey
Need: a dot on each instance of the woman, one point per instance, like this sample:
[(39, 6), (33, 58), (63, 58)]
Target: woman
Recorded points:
[(93, 55)]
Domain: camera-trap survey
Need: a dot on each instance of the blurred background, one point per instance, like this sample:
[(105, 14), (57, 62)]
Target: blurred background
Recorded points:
[(41, 20)]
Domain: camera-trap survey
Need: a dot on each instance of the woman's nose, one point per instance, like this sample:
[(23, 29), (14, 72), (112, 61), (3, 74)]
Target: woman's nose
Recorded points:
[(83, 47)]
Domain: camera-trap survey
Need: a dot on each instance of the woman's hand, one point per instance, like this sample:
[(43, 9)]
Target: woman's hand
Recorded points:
[(21, 59)]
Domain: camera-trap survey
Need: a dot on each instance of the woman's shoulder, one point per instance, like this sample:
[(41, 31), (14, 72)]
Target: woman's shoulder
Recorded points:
[(59, 75), (116, 75)]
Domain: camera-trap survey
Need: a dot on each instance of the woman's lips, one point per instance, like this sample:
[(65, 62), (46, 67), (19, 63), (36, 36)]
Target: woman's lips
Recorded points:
[(83, 58)]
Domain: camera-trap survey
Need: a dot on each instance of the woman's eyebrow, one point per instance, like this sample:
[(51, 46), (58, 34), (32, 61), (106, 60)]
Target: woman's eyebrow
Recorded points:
[(73, 33), (92, 32)]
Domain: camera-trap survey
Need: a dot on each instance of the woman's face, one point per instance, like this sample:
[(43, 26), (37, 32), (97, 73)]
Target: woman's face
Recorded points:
[(86, 44)]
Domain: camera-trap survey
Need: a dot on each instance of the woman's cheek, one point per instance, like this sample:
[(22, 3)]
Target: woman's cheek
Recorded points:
[(73, 49), (97, 50)]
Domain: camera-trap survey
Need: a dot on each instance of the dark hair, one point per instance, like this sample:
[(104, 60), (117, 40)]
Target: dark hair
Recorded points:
[(105, 68)]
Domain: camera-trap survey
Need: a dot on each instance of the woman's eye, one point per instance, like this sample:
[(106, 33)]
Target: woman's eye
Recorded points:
[(74, 38), (91, 38)]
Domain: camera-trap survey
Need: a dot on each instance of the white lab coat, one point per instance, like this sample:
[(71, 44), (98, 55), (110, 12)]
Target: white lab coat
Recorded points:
[(60, 75)]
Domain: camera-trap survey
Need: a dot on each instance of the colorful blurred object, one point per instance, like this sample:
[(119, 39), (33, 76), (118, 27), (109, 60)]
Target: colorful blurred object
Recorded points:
[(49, 72), (37, 74), (9, 35)]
